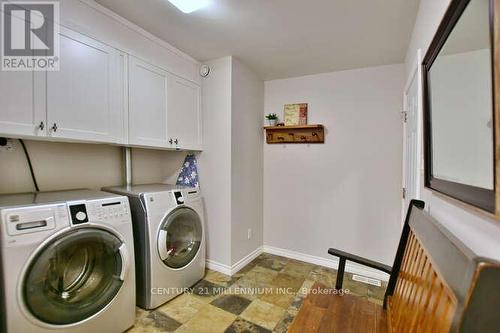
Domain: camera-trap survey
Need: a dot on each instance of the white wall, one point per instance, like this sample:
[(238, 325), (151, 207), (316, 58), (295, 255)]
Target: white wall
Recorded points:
[(479, 232), (247, 161), (215, 160), (345, 193), (61, 166), (231, 162)]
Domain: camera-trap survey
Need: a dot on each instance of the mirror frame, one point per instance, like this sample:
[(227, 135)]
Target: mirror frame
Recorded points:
[(485, 199)]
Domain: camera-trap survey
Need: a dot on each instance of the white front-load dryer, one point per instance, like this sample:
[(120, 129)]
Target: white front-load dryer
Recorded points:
[(169, 235), (67, 261)]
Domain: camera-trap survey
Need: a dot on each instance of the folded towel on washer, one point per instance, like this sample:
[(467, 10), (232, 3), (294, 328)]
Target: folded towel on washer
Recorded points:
[(189, 172)]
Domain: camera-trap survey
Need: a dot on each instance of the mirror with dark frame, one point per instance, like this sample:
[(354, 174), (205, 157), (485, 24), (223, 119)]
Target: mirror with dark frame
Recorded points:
[(459, 105)]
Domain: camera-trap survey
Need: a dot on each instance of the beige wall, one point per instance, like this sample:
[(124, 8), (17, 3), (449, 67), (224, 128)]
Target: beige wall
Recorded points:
[(247, 161), (60, 166), (215, 160), (345, 193)]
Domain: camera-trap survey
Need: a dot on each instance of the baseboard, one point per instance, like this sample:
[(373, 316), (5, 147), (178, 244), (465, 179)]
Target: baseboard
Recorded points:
[(331, 263), (246, 260), (218, 267), (231, 270)]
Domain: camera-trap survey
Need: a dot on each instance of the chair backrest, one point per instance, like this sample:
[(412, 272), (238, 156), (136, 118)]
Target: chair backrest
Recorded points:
[(438, 284)]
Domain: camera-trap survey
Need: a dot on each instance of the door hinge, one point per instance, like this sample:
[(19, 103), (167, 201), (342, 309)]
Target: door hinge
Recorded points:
[(404, 116), (404, 192)]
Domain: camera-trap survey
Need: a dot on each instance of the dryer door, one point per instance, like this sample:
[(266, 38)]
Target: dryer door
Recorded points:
[(179, 237), (74, 276)]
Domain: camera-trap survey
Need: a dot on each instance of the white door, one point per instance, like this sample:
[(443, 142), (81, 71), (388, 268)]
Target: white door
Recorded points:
[(147, 104), (183, 111), (412, 138), (83, 102), (20, 113)]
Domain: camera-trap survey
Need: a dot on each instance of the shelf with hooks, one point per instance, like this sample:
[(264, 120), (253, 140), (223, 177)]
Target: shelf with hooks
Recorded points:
[(295, 134)]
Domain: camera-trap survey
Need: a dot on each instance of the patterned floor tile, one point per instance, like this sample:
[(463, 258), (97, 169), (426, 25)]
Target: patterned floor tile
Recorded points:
[(209, 319), (220, 303), (278, 297), (240, 325), (300, 296), (323, 275), (219, 278), (284, 323), (182, 308), (274, 263), (286, 281), (355, 288), (231, 303), (298, 269), (154, 321), (258, 277), (207, 291), (263, 314)]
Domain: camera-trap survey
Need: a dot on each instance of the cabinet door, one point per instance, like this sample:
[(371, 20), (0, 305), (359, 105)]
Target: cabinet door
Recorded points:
[(184, 115), (83, 102), (147, 104), (20, 113)]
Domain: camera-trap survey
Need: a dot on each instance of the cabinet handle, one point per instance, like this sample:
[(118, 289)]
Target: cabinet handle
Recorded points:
[(41, 126), (171, 141), (176, 141), (54, 128)]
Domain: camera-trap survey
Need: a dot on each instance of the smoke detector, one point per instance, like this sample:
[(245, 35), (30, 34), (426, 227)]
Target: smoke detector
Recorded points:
[(204, 70)]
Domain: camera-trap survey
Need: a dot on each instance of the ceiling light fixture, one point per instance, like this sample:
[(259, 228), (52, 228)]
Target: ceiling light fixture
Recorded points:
[(189, 6)]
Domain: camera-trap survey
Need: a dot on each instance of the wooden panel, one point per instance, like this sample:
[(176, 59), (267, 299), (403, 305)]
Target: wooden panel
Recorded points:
[(295, 134), (422, 301), (325, 311)]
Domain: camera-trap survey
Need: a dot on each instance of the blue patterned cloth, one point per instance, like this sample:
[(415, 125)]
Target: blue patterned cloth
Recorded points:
[(189, 172)]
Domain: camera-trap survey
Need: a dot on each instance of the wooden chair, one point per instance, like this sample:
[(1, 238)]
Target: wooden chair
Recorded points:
[(436, 284)]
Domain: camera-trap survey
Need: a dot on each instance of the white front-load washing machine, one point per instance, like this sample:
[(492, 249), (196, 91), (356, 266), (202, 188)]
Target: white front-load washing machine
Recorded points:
[(169, 235), (68, 262)]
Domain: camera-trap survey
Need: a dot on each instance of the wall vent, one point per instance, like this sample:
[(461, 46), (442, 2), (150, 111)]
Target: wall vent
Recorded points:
[(367, 280)]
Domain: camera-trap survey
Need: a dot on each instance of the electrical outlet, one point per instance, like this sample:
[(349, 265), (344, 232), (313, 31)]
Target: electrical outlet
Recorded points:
[(6, 145), (249, 233)]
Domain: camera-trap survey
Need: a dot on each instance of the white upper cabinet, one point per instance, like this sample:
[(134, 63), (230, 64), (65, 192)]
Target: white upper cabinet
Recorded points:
[(20, 113), (147, 104), (184, 113), (103, 91), (83, 97)]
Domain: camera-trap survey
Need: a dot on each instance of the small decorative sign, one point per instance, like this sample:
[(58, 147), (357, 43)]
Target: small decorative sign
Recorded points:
[(295, 114)]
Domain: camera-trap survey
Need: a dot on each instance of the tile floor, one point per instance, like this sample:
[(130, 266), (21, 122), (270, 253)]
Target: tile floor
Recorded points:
[(221, 303)]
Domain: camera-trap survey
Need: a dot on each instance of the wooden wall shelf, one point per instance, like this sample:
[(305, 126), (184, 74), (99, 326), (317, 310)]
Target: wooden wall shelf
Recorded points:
[(295, 134)]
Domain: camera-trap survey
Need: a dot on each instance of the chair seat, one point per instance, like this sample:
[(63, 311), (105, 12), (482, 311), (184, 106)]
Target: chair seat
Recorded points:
[(326, 312)]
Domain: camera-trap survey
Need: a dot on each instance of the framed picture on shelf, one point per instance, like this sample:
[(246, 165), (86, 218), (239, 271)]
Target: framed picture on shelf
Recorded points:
[(295, 114)]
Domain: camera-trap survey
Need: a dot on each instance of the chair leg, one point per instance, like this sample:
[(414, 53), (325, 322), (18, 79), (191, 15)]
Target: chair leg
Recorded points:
[(340, 274)]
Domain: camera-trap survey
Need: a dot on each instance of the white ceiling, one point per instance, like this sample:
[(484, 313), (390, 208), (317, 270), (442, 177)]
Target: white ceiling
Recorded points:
[(283, 38)]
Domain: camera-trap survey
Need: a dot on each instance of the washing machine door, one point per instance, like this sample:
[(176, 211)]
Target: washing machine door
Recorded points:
[(74, 276), (179, 237)]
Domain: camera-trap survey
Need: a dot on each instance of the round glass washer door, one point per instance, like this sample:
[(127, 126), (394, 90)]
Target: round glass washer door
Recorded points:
[(179, 238), (74, 276)]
